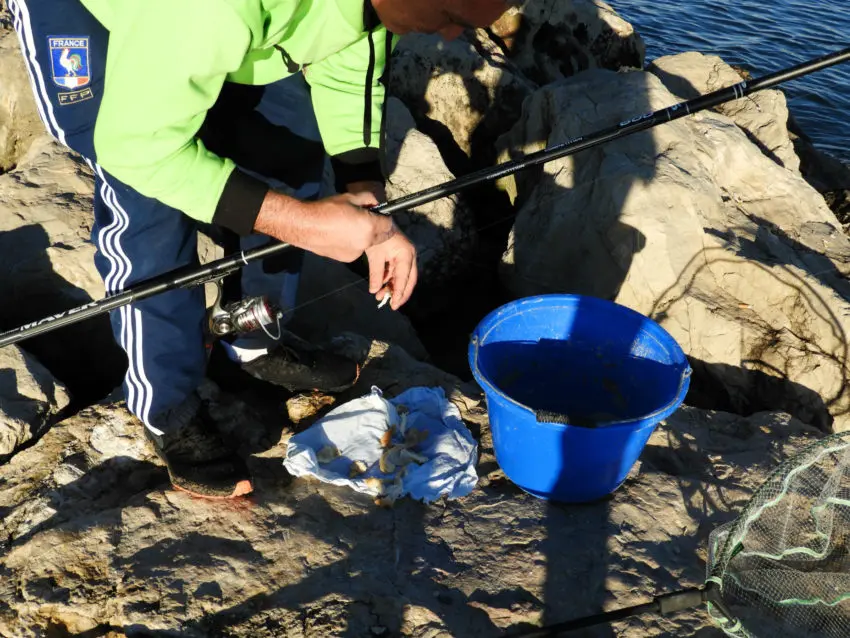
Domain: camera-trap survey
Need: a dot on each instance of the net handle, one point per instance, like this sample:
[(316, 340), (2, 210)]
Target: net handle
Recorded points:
[(665, 605)]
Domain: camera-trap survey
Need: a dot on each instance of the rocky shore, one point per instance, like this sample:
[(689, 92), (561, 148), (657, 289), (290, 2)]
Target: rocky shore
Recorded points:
[(727, 227)]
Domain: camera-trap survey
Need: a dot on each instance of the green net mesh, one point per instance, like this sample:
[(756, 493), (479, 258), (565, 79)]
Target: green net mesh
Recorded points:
[(782, 567)]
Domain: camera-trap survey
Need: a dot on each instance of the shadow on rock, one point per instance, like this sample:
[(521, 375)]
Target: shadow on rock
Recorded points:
[(817, 249), (712, 389), (81, 503), (772, 354), (31, 291), (390, 563), (699, 450)]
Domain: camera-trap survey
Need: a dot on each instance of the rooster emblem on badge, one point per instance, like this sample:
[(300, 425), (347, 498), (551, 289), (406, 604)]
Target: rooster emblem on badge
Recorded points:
[(71, 62)]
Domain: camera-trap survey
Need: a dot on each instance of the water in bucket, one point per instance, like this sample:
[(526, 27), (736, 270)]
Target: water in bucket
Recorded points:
[(575, 386)]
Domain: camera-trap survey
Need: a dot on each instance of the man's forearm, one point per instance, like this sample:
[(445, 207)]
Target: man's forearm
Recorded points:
[(340, 227), (285, 218)]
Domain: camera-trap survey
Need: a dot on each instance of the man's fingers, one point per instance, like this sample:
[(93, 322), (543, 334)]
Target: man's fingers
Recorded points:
[(377, 272), (387, 284), (392, 268)]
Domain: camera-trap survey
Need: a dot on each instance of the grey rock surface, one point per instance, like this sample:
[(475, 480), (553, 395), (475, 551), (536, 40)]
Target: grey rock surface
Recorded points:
[(19, 123), (95, 541), (692, 224), (762, 115), (466, 92), (695, 224), (47, 260), (463, 93), (443, 230), (550, 40), (30, 398)]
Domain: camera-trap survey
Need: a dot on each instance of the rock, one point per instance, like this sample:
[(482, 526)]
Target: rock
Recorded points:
[(839, 203), (52, 188), (550, 40), (825, 173), (465, 93), (692, 225), (461, 93), (30, 398), (48, 261), (443, 230), (394, 370), (94, 540), (763, 115), (306, 408), (19, 121)]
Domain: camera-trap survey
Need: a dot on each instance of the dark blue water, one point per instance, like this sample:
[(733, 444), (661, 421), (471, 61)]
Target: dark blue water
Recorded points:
[(763, 36)]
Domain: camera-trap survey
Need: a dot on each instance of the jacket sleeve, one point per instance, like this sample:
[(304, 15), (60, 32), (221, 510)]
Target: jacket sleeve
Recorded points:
[(166, 64), (348, 91)]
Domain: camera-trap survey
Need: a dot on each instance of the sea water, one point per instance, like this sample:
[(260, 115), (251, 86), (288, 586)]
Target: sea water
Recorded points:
[(763, 37)]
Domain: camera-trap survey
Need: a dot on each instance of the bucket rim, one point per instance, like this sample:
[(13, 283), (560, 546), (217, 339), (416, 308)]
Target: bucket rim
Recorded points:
[(489, 322)]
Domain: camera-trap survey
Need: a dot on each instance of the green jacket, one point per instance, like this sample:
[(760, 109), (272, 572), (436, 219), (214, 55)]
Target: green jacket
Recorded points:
[(168, 59)]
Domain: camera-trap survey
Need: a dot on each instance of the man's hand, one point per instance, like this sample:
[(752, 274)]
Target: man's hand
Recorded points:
[(340, 228)]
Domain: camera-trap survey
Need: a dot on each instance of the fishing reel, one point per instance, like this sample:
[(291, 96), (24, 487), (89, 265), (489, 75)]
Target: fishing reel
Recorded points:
[(245, 315)]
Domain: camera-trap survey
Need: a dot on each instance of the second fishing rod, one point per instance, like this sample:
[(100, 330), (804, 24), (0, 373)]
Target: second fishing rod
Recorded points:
[(215, 270)]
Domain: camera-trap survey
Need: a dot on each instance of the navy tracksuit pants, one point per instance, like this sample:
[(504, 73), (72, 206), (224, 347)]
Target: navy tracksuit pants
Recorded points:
[(138, 237)]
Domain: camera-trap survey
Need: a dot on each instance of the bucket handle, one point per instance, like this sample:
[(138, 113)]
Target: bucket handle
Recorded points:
[(548, 416)]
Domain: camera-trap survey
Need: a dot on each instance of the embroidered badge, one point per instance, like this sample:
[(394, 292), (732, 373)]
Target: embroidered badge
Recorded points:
[(71, 97), (69, 58)]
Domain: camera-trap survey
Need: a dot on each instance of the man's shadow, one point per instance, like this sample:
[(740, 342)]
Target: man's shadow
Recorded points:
[(95, 498)]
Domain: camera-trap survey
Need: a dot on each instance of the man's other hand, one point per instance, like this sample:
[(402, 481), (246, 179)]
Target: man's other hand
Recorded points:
[(392, 264), (392, 268), (376, 188)]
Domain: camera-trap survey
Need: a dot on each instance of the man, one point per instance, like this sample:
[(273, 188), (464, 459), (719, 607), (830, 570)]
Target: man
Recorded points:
[(159, 97)]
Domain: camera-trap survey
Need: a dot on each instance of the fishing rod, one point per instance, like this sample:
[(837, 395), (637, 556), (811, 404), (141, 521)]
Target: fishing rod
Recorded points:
[(186, 277)]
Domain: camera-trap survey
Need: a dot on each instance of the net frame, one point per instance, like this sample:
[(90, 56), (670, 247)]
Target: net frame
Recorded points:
[(726, 543)]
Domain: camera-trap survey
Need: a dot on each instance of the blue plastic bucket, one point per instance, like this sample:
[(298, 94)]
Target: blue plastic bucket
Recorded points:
[(575, 386)]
